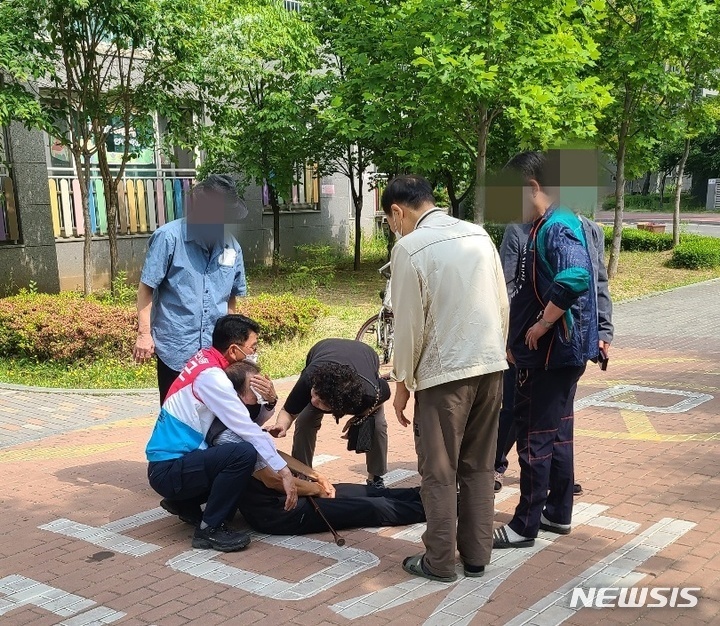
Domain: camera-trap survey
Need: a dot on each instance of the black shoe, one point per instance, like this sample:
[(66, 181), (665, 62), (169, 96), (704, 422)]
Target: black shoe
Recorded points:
[(190, 514), (577, 489), (220, 539), (377, 482), (498, 482), (473, 571)]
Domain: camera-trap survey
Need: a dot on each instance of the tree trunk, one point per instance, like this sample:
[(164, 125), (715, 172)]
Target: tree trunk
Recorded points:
[(356, 190), (452, 195), (646, 184), (110, 183), (662, 189), (272, 192), (620, 188), (358, 202), (481, 167), (82, 165), (678, 193)]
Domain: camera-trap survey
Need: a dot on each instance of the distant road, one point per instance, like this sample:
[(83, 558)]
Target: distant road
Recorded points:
[(700, 223)]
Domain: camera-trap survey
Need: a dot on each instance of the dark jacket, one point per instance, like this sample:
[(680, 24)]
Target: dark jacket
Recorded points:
[(557, 268), (595, 237), (512, 253)]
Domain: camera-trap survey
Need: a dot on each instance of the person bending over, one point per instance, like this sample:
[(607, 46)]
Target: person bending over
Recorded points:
[(341, 377)]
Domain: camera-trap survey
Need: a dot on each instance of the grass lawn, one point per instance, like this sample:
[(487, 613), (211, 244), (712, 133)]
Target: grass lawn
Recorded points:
[(352, 297), (643, 273)]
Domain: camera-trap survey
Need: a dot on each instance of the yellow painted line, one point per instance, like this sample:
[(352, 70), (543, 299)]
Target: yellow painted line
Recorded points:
[(57, 452), (130, 422), (637, 422), (601, 434), (654, 360), (640, 428)]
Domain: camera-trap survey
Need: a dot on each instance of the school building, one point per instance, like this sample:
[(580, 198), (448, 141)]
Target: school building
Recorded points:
[(41, 224)]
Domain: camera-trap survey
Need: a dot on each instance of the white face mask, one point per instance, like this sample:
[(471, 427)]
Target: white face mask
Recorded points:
[(252, 358), (398, 233)]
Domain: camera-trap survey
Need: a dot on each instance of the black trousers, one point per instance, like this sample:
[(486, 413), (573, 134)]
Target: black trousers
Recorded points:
[(354, 506), (544, 419), (218, 476), (166, 377), (506, 424)]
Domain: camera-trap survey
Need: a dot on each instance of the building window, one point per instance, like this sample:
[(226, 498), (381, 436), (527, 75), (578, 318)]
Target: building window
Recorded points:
[(304, 195), (293, 5)]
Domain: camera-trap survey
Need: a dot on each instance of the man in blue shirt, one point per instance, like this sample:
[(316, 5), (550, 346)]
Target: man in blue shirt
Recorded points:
[(192, 274)]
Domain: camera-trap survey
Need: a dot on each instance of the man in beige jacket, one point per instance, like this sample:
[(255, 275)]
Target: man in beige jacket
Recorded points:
[(451, 316)]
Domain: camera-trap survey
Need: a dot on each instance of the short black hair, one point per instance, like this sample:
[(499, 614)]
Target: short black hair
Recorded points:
[(409, 189), (533, 165), (231, 329), (338, 386), (239, 373)]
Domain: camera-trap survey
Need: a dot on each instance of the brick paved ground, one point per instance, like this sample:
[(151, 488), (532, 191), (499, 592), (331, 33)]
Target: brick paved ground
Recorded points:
[(82, 541)]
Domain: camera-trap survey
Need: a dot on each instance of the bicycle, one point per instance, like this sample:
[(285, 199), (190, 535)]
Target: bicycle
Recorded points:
[(379, 330)]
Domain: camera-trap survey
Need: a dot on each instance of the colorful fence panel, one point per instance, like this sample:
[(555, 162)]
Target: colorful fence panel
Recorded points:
[(144, 204)]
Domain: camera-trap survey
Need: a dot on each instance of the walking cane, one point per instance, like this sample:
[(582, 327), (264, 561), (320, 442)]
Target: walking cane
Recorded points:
[(339, 541)]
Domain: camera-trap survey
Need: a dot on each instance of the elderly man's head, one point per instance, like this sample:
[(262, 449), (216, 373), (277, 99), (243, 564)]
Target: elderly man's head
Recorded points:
[(214, 202), (404, 201)]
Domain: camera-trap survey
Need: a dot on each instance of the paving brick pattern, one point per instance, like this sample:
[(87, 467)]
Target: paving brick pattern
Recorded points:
[(30, 416), (84, 542)]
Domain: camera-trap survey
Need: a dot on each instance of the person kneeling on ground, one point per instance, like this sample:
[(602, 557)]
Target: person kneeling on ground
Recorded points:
[(344, 505), (181, 466)]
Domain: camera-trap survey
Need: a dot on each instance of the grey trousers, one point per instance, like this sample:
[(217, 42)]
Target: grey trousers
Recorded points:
[(308, 423), (455, 428)]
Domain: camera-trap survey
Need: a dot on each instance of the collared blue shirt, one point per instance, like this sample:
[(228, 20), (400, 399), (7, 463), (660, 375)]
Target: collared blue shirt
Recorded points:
[(192, 285)]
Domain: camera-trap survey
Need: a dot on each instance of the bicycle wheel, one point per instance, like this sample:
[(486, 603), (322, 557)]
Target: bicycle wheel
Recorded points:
[(373, 333), (369, 335)]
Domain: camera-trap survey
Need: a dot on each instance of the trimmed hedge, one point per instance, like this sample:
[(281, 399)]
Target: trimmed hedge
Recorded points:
[(65, 327), (282, 317), (69, 328), (697, 253), (635, 240)]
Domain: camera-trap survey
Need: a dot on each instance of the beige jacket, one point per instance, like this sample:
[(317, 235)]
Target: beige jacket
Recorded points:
[(449, 301)]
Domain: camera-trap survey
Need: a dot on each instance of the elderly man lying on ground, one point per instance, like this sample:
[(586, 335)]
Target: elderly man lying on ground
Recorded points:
[(344, 505)]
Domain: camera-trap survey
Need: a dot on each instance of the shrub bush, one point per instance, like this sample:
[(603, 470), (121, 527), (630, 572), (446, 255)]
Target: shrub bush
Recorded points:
[(634, 240), (70, 328), (496, 232), (697, 253), (65, 327), (282, 317)]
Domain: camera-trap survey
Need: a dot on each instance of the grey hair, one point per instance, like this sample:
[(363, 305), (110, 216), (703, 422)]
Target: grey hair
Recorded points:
[(219, 183), (223, 184)]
